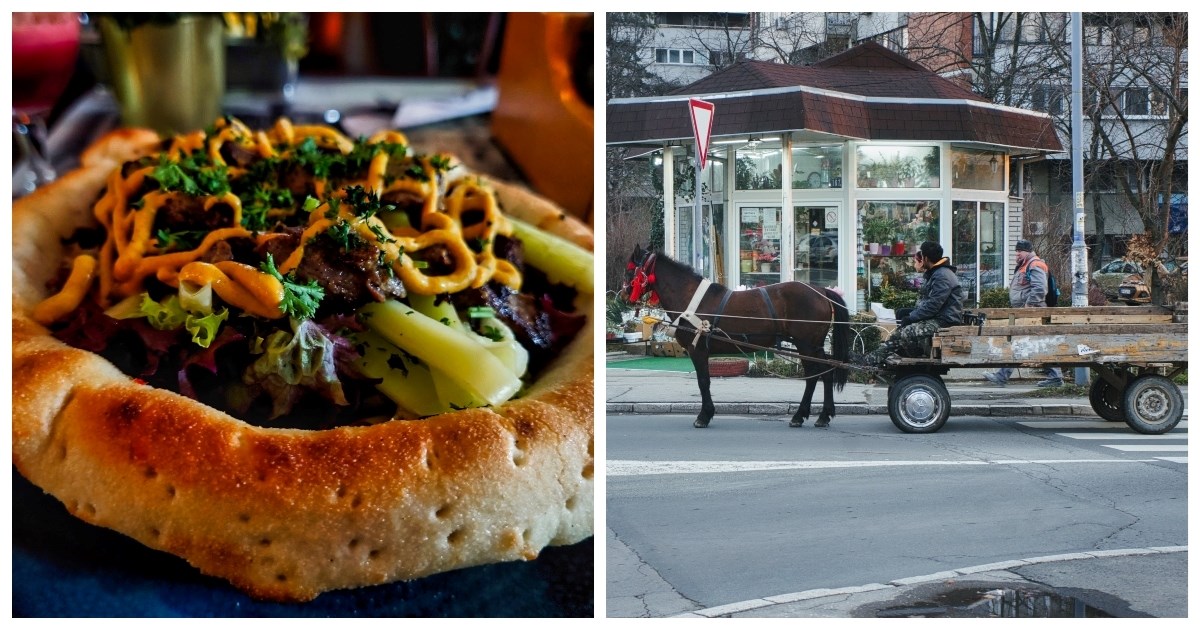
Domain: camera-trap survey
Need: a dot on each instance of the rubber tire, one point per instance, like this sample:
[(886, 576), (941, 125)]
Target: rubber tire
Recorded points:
[(1153, 404), (918, 403), (1107, 401)]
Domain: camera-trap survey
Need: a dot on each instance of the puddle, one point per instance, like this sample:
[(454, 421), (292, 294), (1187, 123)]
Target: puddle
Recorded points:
[(994, 602)]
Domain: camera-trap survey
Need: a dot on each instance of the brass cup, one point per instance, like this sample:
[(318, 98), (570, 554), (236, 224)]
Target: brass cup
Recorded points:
[(168, 77)]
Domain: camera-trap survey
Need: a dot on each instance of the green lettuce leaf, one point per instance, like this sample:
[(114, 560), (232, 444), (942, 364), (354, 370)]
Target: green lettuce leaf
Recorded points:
[(292, 363), (165, 315), (204, 329)]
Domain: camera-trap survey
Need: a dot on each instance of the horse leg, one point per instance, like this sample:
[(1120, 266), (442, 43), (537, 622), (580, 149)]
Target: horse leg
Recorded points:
[(699, 358), (827, 410), (805, 409)]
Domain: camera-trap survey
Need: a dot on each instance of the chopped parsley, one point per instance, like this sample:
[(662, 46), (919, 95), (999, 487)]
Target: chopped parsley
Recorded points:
[(193, 175), (181, 240), (365, 204), (343, 233), (300, 301)]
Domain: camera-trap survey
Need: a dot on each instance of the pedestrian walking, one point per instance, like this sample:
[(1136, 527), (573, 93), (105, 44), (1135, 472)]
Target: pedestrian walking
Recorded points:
[(1028, 288)]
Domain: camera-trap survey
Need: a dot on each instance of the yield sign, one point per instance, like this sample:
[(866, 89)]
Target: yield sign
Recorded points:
[(702, 120)]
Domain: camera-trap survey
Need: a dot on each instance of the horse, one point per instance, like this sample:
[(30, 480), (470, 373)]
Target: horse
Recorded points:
[(796, 312)]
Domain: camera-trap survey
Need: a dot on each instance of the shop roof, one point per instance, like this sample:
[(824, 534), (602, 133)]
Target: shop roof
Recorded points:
[(867, 93)]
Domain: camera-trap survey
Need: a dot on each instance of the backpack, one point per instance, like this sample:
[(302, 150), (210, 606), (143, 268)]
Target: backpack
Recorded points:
[(1051, 284)]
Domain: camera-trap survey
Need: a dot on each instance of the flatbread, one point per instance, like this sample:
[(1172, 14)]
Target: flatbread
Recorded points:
[(286, 514)]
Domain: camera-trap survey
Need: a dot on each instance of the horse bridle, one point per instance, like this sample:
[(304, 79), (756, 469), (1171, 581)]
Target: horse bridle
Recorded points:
[(642, 282)]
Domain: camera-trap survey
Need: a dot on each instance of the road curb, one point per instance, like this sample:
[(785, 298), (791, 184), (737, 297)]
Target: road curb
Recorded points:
[(897, 584), (780, 409)]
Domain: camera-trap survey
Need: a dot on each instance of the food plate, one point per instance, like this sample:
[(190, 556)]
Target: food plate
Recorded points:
[(63, 567)]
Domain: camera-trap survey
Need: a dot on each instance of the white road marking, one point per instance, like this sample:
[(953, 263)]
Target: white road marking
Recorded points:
[(626, 468), (1086, 424), (1177, 460), (1131, 436), (1142, 448)]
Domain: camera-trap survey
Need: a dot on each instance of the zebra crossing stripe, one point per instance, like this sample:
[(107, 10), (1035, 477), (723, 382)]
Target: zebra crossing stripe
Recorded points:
[(1106, 435), (1146, 448), (1087, 424)]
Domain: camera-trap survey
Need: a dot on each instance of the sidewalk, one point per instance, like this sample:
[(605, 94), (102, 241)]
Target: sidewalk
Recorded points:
[(665, 392)]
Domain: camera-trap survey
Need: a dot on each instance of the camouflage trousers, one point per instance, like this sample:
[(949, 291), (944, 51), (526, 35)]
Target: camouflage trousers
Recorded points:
[(906, 341)]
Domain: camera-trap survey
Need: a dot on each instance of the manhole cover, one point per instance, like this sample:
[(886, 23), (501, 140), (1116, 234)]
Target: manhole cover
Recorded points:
[(994, 602)]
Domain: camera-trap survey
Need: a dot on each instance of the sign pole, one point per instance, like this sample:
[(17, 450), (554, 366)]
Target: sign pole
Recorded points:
[(702, 114)]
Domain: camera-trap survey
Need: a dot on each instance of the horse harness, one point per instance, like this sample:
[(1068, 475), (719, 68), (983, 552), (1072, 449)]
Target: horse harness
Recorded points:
[(705, 328)]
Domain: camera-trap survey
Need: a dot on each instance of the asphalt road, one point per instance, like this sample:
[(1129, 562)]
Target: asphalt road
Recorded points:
[(751, 508)]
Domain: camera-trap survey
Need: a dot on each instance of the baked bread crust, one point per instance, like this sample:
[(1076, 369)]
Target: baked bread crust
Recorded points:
[(287, 514)]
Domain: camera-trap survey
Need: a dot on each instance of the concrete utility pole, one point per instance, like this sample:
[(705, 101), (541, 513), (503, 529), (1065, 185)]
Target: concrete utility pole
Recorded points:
[(1079, 267), (1079, 289)]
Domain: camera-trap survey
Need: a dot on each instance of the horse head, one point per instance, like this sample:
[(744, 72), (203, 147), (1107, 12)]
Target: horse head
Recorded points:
[(639, 276)]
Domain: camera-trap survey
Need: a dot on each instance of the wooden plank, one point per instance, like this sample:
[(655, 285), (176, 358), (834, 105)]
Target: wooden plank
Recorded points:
[(1063, 349), (1018, 321), (1133, 311), (1145, 318), (1151, 330)]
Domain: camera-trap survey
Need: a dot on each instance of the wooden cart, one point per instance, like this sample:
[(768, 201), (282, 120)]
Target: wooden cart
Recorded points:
[(1136, 351)]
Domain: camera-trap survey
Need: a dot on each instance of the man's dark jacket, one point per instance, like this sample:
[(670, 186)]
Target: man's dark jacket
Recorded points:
[(941, 297)]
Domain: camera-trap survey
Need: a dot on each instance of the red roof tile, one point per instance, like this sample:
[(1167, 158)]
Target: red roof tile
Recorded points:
[(868, 70)]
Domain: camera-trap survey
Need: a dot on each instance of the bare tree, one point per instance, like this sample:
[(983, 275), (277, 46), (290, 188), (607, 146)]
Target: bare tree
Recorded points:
[(792, 38), (1135, 107), (1135, 104), (628, 37)]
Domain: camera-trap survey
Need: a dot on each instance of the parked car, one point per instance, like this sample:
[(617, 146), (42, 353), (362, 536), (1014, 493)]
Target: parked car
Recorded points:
[(817, 249), (1133, 290), (1111, 275)]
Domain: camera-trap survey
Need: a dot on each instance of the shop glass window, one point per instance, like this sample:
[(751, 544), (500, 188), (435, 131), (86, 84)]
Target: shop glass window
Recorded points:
[(898, 167), (817, 167), (759, 167), (760, 231), (977, 170), (889, 233), (978, 251)]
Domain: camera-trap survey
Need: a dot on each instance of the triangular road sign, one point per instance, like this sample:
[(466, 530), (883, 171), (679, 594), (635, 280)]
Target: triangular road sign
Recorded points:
[(702, 121)]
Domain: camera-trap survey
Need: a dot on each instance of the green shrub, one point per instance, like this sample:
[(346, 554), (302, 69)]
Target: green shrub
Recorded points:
[(994, 298), (894, 298), (764, 365), (865, 335)]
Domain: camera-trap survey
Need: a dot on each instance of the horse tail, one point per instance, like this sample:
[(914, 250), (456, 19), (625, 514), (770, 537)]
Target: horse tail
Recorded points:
[(841, 337)]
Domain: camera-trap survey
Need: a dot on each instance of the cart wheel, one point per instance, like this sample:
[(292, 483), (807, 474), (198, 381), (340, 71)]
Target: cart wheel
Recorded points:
[(918, 403), (1153, 404), (1107, 401)]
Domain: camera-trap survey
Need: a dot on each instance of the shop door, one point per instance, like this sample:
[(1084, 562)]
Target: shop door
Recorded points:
[(816, 259), (759, 234)]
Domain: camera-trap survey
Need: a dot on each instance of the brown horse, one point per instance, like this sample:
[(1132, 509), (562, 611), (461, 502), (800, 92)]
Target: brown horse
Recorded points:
[(789, 311)]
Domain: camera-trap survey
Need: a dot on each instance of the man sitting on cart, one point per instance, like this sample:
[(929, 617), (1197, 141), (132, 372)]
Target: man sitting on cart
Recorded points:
[(939, 305)]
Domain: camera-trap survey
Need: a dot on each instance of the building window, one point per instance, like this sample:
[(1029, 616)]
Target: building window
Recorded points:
[(978, 246), (759, 167), (977, 170), (893, 166), (1135, 101), (817, 167), (678, 56), (714, 57), (1051, 99), (890, 232)]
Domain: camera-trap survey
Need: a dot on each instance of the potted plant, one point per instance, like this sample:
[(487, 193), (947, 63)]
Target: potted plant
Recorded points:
[(633, 330), (878, 230)]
